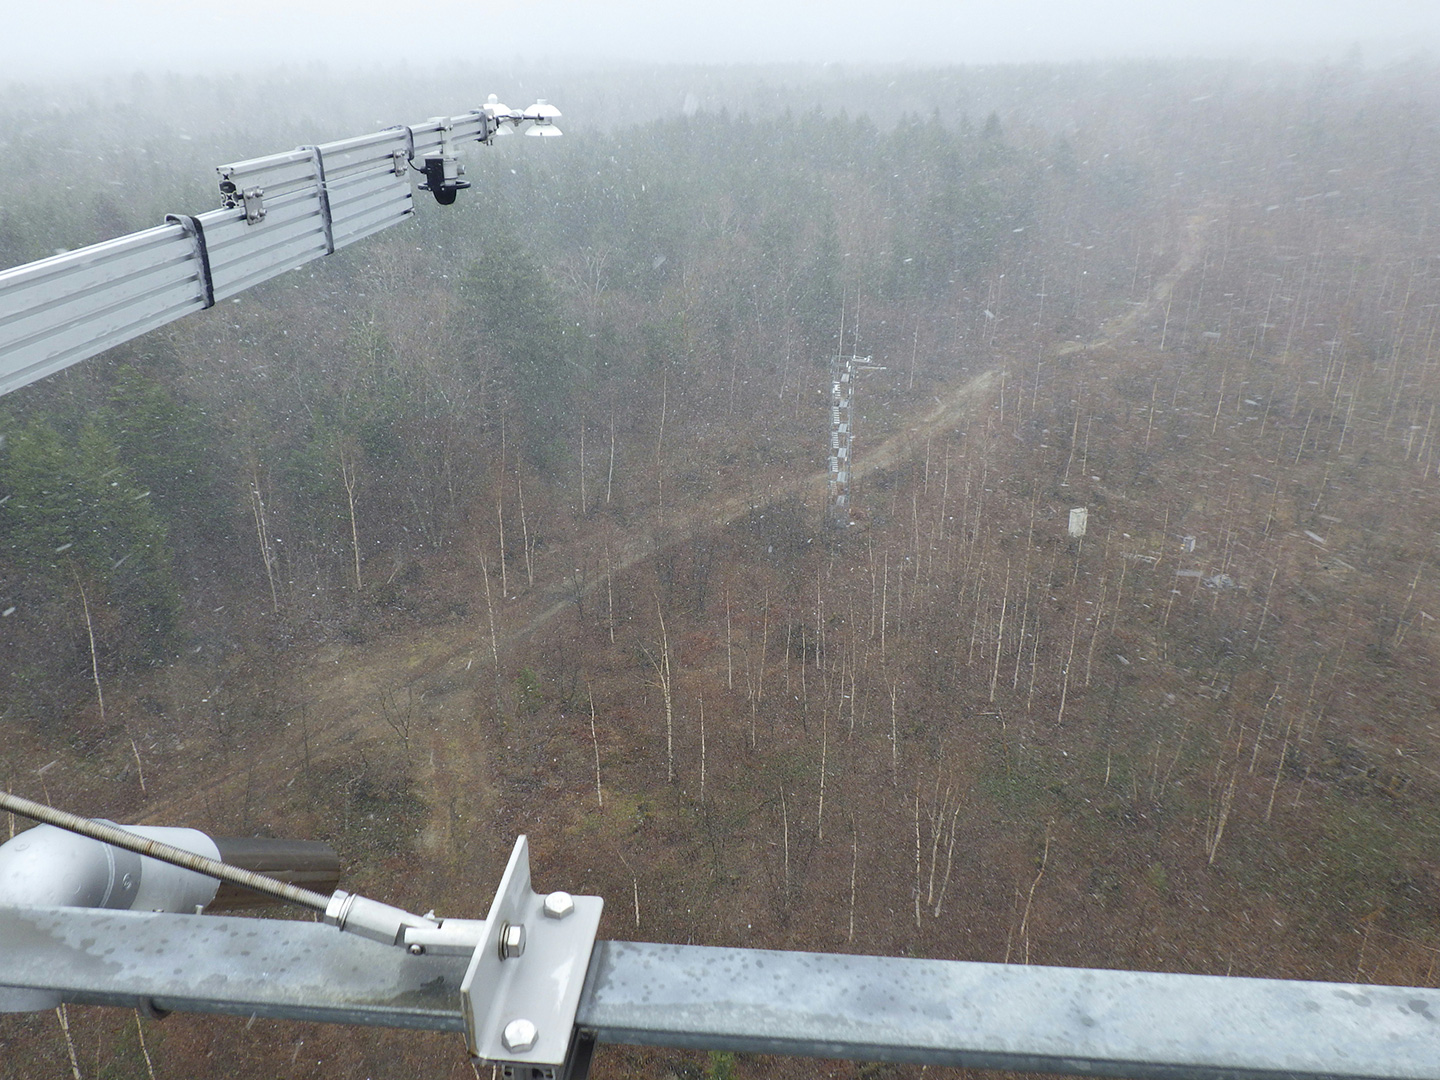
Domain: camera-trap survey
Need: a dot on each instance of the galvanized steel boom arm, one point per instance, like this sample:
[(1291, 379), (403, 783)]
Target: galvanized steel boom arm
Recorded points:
[(278, 213), (1017, 1017), (531, 988)]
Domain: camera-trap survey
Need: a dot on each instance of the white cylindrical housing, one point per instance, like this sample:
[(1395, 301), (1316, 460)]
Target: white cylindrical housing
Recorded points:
[(50, 867)]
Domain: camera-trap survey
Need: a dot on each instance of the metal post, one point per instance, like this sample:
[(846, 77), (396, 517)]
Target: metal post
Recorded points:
[(843, 370)]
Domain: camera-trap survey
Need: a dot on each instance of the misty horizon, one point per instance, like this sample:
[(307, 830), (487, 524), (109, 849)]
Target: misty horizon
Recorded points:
[(157, 36)]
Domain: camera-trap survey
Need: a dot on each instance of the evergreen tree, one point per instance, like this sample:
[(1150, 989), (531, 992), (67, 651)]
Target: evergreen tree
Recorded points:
[(74, 501), (515, 312)]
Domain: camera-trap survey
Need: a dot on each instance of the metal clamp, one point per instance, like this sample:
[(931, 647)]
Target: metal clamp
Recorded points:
[(253, 199), (409, 152), (521, 992), (195, 229), (322, 192)]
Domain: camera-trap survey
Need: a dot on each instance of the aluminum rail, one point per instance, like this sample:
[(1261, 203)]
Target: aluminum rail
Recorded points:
[(1053, 1020), (280, 212)]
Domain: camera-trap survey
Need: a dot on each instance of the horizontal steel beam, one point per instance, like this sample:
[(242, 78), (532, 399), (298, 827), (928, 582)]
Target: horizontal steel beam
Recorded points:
[(1041, 1019), (277, 968), (1007, 1016)]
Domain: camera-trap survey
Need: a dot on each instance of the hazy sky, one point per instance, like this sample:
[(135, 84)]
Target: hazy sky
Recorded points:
[(66, 38)]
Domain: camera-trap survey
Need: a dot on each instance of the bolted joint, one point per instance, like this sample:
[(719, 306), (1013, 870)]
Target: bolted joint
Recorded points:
[(558, 905), (512, 942), (519, 1036)]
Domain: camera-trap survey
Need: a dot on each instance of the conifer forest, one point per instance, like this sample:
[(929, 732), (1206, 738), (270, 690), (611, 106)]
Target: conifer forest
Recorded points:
[(513, 519)]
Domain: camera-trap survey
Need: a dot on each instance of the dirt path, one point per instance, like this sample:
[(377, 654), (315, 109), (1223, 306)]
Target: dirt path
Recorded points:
[(439, 671), (1192, 246), (638, 543)]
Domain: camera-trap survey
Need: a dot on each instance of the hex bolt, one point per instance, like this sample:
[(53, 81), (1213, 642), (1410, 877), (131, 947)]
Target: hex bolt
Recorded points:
[(558, 905), (512, 941), (519, 1036)]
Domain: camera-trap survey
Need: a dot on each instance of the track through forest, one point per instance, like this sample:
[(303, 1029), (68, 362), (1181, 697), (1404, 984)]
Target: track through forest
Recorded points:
[(440, 672)]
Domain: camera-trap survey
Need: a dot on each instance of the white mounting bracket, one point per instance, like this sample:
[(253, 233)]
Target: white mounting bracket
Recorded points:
[(522, 989), (253, 199), (235, 197)]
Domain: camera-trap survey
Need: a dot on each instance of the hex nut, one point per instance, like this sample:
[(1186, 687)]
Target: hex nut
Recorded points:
[(512, 941), (519, 1036), (558, 905)]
